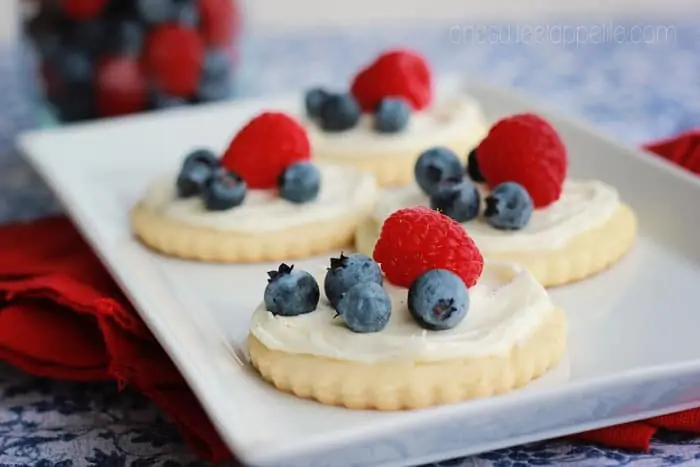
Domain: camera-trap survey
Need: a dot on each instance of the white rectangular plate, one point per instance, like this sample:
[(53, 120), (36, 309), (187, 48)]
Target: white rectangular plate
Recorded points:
[(633, 348)]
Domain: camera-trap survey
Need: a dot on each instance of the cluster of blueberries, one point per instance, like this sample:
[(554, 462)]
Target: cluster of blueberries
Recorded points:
[(73, 48), (220, 189), (437, 300), (441, 176), (337, 112)]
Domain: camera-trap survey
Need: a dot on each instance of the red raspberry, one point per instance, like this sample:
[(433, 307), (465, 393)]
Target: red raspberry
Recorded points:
[(261, 151), (82, 9), (173, 57), (398, 73), (525, 149), (416, 240), (218, 20), (120, 87)]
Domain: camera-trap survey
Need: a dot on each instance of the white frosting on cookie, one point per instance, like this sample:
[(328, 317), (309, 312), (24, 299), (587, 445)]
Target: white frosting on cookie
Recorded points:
[(583, 205), (343, 190), (454, 119), (506, 306)]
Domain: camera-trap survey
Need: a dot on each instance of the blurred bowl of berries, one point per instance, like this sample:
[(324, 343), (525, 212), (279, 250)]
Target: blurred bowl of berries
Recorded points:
[(106, 58)]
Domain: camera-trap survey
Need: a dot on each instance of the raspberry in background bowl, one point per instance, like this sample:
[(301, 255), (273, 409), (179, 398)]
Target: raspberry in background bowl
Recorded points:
[(104, 58)]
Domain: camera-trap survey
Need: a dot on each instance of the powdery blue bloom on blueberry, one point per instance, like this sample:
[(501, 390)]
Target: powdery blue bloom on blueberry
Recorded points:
[(438, 300), (223, 190), (347, 271), (314, 100), (365, 307), (291, 292), (435, 166), (197, 169), (458, 200), (392, 115), (508, 207), (300, 183), (339, 112)]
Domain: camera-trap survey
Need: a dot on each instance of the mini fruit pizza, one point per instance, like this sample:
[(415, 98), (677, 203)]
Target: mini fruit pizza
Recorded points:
[(262, 200), (389, 117), (516, 202), (424, 322)]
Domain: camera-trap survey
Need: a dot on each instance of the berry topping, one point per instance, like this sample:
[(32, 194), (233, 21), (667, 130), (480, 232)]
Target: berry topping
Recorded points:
[(265, 147), (223, 190), (218, 21), (508, 207), (339, 112), (174, 55), (525, 149), (418, 239), (214, 82), (438, 300), (120, 87), (300, 183), (291, 292), (365, 307), (348, 271), (123, 36), (314, 100), (197, 168), (458, 200), (473, 168), (392, 115), (81, 10), (398, 73), (184, 12), (435, 166)]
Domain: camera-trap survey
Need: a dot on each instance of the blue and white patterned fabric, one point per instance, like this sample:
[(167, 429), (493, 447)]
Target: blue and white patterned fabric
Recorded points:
[(637, 80)]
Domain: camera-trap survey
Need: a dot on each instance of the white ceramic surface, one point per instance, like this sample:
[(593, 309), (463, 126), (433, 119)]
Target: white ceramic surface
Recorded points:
[(633, 349)]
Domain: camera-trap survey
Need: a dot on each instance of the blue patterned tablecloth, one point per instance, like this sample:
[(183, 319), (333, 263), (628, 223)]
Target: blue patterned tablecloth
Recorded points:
[(636, 80)]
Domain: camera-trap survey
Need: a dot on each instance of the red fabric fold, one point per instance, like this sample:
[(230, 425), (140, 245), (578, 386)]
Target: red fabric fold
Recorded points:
[(62, 316)]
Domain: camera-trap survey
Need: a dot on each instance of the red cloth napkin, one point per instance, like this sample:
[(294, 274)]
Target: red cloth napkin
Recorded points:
[(62, 316)]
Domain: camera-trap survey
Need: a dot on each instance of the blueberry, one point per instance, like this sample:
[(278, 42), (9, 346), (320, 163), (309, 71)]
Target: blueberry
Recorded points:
[(365, 307), (438, 300), (299, 183), (314, 100), (223, 190), (508, 207), (339, 112), (156, 11), (392, 115), (197, 169), (216, 65), (74, 67), (186, 13), (435, 166), (473, 168), (291, 292), (211, 90), (86, 36), (348, 271), (458, 200), (123, 36)]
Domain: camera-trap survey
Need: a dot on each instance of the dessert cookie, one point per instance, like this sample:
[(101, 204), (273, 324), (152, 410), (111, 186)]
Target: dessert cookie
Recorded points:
[(518, 205), (429, 323), (388, 118), (263, 200)]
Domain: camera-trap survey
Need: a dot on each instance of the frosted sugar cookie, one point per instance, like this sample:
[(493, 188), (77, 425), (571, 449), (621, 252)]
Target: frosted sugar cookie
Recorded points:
[(389, 117), (428, 323), (262, 200), (518, 205)]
